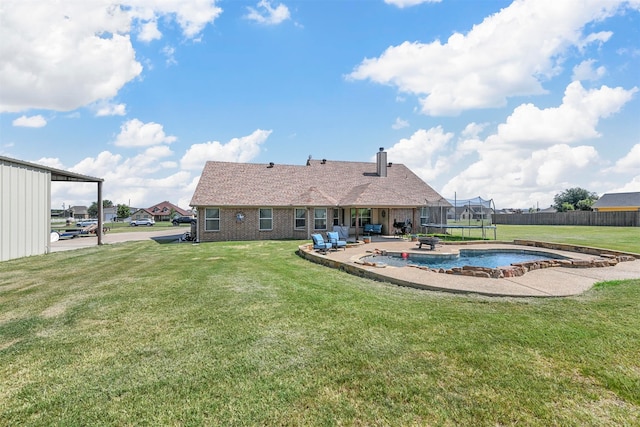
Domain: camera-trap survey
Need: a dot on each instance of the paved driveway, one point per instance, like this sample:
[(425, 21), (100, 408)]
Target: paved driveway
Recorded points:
[(84, 242)]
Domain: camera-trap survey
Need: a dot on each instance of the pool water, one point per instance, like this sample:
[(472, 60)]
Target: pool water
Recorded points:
[(476, 258)]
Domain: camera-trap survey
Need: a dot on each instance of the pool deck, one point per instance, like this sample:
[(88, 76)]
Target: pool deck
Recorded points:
[(548, 282)]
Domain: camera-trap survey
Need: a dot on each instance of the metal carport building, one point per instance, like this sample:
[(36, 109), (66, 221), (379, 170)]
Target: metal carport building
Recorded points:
[(25, 206)]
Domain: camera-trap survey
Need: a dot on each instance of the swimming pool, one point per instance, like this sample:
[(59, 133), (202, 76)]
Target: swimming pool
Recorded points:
[(489, 258)]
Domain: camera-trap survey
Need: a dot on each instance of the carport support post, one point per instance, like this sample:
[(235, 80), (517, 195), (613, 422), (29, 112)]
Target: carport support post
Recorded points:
[(100, 214)]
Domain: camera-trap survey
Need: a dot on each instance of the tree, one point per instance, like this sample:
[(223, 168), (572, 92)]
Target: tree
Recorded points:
[(574, 198), (123, 211), (93, 209)]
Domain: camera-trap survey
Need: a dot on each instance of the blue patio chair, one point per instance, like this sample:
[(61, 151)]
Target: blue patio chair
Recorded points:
[(319, 244), (334, 239)]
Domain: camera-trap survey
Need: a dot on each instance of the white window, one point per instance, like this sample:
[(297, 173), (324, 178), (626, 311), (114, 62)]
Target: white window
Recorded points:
[(212, 219), (266, 219), (320, 218), (363, 215), (301, 218)]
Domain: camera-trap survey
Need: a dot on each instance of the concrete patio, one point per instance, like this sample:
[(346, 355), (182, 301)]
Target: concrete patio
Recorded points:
[(548, 282)]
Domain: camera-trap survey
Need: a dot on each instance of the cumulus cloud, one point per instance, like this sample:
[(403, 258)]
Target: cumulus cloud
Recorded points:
[(65, 55), (30, 121), (420, 152), (630, 162), (149, 31), (510, 53), (537, 152), (135, 133), (400, 124), (574, 120), (241, 149), (50, 162), (267, 14), (586, 71), (141, 180), (106, 108)]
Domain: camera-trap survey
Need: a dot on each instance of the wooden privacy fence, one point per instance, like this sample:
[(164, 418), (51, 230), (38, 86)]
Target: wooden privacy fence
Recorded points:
[(612, 219)]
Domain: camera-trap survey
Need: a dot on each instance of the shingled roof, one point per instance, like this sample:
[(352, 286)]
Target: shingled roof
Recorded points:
[(616, 200), (319, 183)]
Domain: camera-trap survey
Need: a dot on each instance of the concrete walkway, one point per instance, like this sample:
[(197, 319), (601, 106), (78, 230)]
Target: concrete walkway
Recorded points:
[(549, 282)]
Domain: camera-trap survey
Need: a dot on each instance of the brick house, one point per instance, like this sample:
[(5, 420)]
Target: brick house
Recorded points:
[(141, 214), (165, 211), (251, 201)]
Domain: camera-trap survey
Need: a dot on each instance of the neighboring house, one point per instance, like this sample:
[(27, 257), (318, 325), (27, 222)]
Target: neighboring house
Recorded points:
[(164, 211), (141, 214), (476, 212), (466, 212), (616, 202), (247, 201), (110, 214), (79, 212)]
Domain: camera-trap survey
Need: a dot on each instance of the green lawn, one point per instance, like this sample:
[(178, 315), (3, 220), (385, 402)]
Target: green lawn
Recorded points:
[(248, 333), (620, 238)]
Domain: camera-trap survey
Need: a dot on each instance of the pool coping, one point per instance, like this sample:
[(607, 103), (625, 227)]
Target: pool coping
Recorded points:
[(565, 280)]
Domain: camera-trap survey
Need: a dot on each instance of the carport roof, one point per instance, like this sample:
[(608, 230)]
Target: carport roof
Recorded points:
[(56, 174)]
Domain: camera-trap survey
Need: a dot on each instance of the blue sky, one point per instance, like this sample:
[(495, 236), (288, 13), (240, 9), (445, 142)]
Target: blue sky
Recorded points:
[(511, 100)]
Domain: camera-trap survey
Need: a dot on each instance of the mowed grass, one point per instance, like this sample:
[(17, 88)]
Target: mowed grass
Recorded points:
[(619, 238), (248, 333)]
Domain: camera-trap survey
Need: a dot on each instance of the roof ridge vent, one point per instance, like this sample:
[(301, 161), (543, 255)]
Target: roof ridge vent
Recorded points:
[(271, 164)]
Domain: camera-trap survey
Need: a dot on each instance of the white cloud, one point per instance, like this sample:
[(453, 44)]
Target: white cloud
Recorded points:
[(268, 14), (30, 121), (574, 120), (408, 3), (141, 180), (149, 31), (630, 162), (135, 133), (192, 16), (585, 71), (630, 187), (420, 152), (472, 130), (169, 52), (509, 54), (531, 156), (400, 124), (106, 108), (76, 53), (241, 149), (50, 162)]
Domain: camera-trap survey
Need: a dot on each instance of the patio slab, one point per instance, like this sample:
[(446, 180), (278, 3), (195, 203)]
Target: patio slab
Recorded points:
[(548, 282)]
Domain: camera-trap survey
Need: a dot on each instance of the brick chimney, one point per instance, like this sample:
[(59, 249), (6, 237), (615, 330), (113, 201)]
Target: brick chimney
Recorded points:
[(381, 162)]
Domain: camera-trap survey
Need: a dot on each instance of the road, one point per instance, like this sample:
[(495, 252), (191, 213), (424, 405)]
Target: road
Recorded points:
[(108, 238)]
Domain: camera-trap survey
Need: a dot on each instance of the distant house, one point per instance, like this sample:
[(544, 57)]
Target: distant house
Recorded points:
[(247, 201), (110, 214), (467, 212), (617, 202), (164, 211), (79, 212), (141, 214)]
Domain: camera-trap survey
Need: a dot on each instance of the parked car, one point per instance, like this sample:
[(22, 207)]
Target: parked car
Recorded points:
[(144, 221), (182, 220), (86, 222)]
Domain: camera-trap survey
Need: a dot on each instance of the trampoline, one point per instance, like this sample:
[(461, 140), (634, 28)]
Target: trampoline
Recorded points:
[(472, 210)]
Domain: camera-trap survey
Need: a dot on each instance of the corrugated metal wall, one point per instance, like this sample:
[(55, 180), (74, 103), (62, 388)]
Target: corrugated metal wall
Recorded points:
[(25, 208)]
